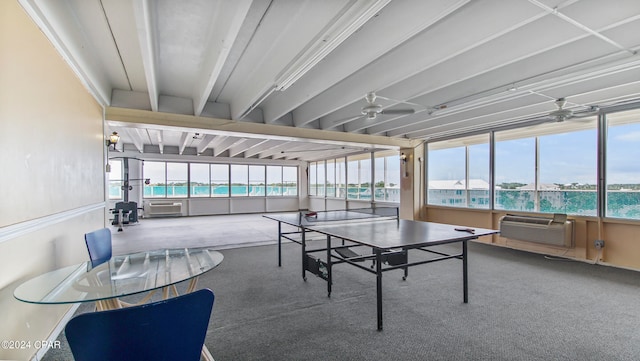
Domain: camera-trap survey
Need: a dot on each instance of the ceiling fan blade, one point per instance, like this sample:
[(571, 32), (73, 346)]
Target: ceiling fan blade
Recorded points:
[(593, 110), (401, 101), (398, 111)]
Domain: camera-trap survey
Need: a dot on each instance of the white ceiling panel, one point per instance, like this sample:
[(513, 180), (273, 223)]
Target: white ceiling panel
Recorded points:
[(287, 80)]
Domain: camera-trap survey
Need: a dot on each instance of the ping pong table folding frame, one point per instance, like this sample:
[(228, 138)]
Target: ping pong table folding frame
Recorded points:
[(386, 255)]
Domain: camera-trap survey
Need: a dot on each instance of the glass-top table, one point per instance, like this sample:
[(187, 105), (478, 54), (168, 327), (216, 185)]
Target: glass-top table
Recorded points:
[(122, 276)]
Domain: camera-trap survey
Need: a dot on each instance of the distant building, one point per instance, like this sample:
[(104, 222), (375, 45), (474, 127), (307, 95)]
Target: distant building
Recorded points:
[(458, 184), (454, 193)]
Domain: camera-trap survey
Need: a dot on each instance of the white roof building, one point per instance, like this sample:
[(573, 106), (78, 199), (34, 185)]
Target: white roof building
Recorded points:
[(458, 184)]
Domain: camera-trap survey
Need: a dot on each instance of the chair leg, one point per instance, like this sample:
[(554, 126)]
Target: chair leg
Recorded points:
[(206, 355), (192, 285)]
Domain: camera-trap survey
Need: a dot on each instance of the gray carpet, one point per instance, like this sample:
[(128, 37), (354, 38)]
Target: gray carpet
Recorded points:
[(522, 306)]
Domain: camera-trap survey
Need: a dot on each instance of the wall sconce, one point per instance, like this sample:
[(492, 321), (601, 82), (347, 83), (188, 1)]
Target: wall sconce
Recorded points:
[(403, 163), (112, 140)]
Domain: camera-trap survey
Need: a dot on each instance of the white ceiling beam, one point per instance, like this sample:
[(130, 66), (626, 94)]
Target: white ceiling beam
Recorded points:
[(136, 138), (226, 144), (568, 50), (269, 144), (559, 57), (184, 138), (218, 139), (244, 146), (181, 122), (355, 54), (350, 21), (144, 25), (415, 55), (281, 152), (618, 71), (297, 23), (160, 139), (205, 142), (222, 34), (276, 150), (555, 11)]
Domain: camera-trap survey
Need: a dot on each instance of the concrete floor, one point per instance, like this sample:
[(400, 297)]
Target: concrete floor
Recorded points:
[(218, 232)]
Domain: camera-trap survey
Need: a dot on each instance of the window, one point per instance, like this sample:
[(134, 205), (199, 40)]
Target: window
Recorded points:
[(359, 177), (321, 180), (327, 178), (290, 181), (313, 179), (458, 172), (257, 180), (622, 166), (239, 180), (274, 181), (220, 180), (365, 178), (478, 171), (568, 172), (515, 166), (548, 168), (199, 181), (156, 173), (177, 182), (115, 179), (331, 178), (387, 176), (341, 178), (282, 181), (564, 155)]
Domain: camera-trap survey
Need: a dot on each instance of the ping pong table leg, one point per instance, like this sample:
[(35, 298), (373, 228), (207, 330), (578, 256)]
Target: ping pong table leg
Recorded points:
[(304, 254), (329, 277), (279, 244), (379, 286), (465, 281)]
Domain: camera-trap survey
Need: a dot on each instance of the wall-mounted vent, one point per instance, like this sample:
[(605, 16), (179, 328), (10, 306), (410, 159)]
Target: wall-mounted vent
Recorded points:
[(556, 231), (164, 209)]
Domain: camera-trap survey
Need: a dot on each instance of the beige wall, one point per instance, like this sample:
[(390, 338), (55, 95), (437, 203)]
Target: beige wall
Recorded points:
[(51, 178), (622, 243)]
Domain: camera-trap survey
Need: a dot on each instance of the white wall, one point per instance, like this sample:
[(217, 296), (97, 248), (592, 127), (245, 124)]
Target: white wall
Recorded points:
[(52, 179)]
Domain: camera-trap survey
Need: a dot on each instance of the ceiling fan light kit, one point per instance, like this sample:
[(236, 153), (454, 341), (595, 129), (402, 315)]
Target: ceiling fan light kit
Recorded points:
[(562, 114), (372, 109)]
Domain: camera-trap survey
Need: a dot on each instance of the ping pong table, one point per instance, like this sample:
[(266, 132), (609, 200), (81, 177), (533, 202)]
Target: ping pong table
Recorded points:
[(380, 229)]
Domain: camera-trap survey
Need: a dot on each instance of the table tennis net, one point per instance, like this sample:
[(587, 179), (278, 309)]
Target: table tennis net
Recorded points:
[(350, 214)]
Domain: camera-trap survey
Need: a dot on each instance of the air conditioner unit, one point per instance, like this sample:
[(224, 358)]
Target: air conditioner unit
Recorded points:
[(164, 209), (556, 231)]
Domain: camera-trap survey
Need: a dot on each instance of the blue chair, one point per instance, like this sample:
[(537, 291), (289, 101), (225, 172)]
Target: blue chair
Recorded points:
[(99, 246), (171, 329)]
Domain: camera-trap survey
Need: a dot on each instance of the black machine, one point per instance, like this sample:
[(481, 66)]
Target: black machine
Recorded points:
[(126, 212)]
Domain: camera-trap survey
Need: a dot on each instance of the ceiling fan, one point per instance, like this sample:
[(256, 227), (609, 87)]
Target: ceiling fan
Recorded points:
[(562, 114), (372, 109)]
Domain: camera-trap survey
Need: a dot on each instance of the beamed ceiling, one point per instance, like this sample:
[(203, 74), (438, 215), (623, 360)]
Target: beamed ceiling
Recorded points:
[(288, 79)]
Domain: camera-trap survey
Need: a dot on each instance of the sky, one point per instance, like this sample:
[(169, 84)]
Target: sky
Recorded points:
[(564, 158)]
